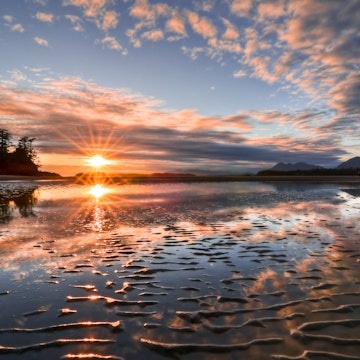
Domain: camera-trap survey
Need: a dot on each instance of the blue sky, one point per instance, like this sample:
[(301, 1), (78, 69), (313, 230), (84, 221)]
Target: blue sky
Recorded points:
[(218, 86)]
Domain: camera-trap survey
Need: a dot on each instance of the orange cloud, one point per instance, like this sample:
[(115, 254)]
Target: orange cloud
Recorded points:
[(201, 25), (109, 21), (72, 118), (92, 8), (17, 27), (231, 32), (153, 35), (241, 7), (271, 10), (44, 17), (41, 41), (176, 24), (111, 43)]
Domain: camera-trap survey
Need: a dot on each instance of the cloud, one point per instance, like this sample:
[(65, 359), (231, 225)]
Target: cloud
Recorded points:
[(17, 75), (201, 25), (41, 2), (73, 117), (145, 11), (92, 8), (176, 24), (193, 53), (220, 46), (8, 18), (271, 10), (18, 28), (110, 20), (41, 41), (153, 35), (241, 7), (231, 32), (111, 43), (95, 11), (239, 74), (76, 21), (44, 17)]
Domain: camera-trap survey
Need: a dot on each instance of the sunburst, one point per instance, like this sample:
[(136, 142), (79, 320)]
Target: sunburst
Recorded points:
[(97, 161)]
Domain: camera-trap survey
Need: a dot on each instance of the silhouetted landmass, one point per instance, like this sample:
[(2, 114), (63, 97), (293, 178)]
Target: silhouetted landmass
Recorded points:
[(19, 160), (315, 172), (353, 163), (349, 167), (167, 174), (293, 167)]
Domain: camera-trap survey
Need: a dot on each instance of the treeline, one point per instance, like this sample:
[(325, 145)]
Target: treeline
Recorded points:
[(19, 159), (314, 172)]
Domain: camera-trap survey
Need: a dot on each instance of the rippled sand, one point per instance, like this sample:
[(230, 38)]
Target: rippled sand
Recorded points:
[(267, 274)]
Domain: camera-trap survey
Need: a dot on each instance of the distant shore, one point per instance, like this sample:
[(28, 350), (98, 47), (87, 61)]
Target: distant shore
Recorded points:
[(133, 179), (32, 178)]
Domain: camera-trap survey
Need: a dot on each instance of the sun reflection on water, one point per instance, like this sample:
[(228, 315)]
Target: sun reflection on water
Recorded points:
[(98, 191)]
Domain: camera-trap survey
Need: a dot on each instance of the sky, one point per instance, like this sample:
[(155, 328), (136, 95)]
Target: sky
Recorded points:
[(213, 86)]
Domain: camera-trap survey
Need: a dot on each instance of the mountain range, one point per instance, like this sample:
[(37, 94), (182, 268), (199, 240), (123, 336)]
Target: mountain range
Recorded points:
[(353, 163)]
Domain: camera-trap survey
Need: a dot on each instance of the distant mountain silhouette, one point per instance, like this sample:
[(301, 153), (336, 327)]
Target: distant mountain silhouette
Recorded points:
[(349, 167), (292, 167), (353, 163)]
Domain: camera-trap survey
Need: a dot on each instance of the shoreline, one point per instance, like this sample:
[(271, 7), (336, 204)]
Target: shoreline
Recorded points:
[(349, 179)]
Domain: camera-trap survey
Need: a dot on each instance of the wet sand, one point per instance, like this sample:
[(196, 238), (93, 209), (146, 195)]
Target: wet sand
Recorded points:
[(259, 282)]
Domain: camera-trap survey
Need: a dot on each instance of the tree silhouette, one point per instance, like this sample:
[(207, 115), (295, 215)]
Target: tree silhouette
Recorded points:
[(5, 143), (22, 161)]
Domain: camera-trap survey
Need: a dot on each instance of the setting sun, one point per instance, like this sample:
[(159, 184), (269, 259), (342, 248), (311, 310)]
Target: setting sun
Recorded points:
[(97, 161)]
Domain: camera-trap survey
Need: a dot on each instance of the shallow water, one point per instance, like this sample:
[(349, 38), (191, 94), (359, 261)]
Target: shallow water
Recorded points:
[(194, 271)]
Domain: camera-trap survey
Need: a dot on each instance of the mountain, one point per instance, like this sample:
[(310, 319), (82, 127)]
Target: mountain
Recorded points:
[(293, 167), (353, 163)]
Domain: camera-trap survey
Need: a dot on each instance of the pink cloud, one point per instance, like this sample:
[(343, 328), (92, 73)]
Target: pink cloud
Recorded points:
[(76, 21), (41, 41), (231, 32), (241, 7), (201, 25), (143, 10), (176, 24), (111, 43), (271, 10), (92, 8), (220, 46), (109, 20), (153, 35), (18, 28), (44, 17), (71, 117), (260, 67)]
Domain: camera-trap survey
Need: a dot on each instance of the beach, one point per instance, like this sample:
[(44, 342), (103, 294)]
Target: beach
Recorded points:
[(255, 270)]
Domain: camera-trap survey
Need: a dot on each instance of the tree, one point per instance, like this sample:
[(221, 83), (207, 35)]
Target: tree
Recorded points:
[(25, 148), (5, 143)]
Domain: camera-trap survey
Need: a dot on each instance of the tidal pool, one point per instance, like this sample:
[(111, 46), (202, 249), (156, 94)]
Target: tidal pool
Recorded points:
[(190, 271)]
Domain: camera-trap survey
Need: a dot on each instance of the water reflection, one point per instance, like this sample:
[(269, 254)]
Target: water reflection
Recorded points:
[(98, 191), (182, 264), (23, 199)]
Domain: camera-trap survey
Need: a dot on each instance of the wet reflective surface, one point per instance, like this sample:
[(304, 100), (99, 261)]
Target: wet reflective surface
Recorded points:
[(191, 271)]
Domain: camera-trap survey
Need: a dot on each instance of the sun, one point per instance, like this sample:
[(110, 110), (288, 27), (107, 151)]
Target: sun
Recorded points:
[(97, 161)]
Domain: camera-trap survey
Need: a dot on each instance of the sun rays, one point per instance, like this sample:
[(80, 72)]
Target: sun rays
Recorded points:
[(97, 161)]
